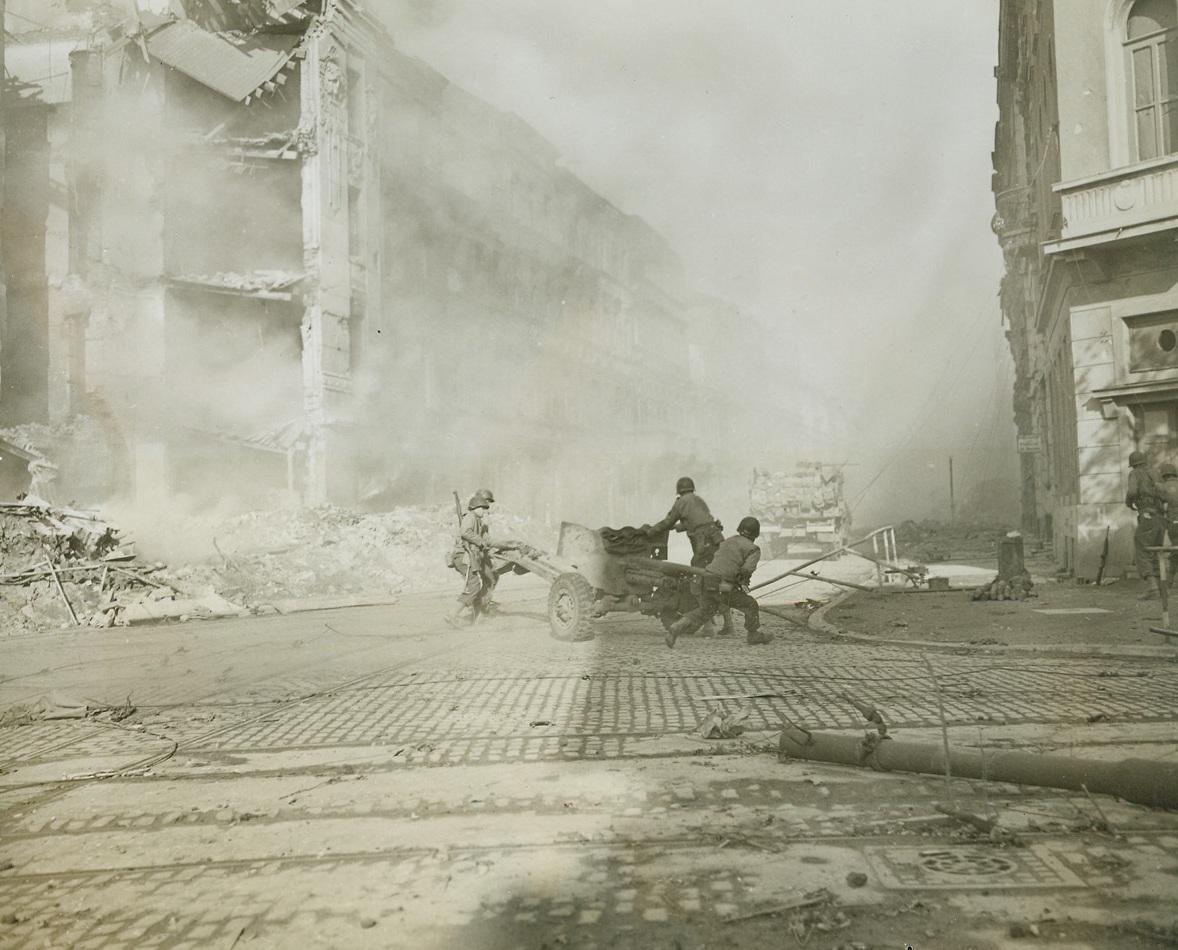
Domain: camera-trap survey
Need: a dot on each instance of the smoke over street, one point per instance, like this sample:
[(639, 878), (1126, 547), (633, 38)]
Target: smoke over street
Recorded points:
[(810, 170), (703, 250)]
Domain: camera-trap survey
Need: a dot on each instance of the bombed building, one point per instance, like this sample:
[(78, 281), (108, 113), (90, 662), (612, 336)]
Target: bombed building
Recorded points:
[(290, 263), (1086, 187)]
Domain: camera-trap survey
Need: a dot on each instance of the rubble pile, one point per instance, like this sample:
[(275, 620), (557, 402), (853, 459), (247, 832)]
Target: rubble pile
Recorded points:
[(931, 541), (1019, 587), (264, 556), (63, 567)]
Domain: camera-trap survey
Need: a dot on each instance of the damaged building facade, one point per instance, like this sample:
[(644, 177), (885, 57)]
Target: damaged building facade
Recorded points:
[(1086, 190), (301, 266)]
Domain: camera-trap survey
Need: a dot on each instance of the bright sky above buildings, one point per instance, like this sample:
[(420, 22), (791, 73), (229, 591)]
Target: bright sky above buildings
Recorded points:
[(824, 166)]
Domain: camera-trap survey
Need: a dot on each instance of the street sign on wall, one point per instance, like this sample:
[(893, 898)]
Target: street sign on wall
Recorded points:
[(1030, 443)]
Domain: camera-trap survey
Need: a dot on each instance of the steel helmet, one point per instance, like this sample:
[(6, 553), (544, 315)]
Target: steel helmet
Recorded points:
[(1168, 471), (1136, 458), (684, 484), (485, 493), (750, 527), (478, 500)]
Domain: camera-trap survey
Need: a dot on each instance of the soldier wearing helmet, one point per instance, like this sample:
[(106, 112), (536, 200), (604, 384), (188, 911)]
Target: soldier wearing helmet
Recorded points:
[(1169, 492), (471, 557), (731, 568), (1144, 495), (690, 514)]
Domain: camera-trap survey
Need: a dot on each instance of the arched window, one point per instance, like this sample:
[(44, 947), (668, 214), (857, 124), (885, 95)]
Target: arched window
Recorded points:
[(1151, 44)]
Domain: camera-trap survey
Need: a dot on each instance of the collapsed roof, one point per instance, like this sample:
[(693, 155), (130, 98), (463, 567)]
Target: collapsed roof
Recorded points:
[(239, 49), (236, 65)]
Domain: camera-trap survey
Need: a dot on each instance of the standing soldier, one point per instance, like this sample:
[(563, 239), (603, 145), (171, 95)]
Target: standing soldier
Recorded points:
[(1169, 492), (1144, 496), (691, 514), (735, 560), (471, 557)]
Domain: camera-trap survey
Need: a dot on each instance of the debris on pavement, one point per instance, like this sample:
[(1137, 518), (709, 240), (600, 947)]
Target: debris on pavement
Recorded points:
[(812, 899), (985, 826), (67, 567), (59, 706), (1019, 587), (719, 725)]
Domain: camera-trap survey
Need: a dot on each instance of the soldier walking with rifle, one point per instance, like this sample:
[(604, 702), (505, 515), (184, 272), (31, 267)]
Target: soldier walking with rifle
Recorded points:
[(471, 557)]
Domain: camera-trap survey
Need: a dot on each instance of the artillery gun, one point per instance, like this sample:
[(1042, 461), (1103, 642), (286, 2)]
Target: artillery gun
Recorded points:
[(596, 572)]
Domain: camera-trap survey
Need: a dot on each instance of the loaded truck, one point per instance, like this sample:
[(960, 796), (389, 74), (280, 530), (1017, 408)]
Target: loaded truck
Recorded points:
[(801, 507)]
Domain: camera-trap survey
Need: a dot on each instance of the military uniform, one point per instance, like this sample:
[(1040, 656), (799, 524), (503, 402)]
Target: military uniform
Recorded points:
[(736, 559), (691, 514), (1144, 496), (1168, 489), (471, 557)]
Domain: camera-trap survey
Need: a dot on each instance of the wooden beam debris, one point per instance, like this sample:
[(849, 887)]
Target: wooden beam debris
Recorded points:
[(79, 556)]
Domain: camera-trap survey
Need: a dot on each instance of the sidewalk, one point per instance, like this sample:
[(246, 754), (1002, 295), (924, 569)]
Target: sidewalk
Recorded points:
[(1062, 617)]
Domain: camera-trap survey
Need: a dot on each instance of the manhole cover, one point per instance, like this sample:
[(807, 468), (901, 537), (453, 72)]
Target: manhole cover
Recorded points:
[(967, 863), (966, 867)]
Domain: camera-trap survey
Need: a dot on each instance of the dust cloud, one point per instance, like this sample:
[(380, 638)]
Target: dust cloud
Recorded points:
[(815, 181), (826, 171)]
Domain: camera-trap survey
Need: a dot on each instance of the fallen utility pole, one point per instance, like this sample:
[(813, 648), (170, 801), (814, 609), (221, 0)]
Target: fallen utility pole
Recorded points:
[(828, 554), (784, 616), (830, 580), (850, 547), (1142, 781)]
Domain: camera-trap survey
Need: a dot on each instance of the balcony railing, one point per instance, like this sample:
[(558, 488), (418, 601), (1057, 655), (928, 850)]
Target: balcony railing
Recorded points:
[(1137, 199), (1013, 208)]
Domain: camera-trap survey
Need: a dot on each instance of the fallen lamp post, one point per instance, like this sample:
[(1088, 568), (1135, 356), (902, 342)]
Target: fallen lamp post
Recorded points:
[(1141, 781)]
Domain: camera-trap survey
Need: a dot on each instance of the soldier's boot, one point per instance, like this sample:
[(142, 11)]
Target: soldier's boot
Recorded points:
[(457, 619), (1152, 589), (482, 610), (756, 636), (727, 630), (680, 628)]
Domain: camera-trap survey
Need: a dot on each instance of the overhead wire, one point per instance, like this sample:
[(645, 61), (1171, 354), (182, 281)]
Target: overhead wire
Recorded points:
[(991, 414), (950, 369), (11, 13)]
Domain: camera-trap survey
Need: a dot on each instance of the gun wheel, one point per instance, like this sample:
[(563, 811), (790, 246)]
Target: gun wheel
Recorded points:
[(570, 608)]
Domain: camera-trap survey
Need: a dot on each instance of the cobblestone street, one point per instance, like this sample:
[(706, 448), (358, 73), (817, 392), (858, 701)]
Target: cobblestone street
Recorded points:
[(362, 778)]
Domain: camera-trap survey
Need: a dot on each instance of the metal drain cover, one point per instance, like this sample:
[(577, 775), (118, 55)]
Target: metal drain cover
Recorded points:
[(970, 868)]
